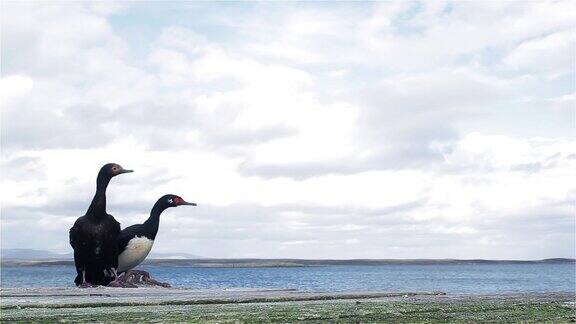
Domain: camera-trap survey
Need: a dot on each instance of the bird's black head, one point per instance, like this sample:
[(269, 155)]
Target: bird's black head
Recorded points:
[(174, 201), (112, 169)]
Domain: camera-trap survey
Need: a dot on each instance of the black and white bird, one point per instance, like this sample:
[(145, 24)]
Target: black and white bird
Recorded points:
[(93, 236), (135, 242)]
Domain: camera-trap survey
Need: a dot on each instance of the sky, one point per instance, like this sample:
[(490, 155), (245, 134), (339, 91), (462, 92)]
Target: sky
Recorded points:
[(301, 129)]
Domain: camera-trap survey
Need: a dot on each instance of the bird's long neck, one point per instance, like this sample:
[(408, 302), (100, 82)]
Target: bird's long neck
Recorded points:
[(153, 222), (98, 204)]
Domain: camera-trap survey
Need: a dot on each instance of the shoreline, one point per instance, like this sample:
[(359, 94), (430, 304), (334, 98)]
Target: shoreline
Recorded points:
[(272, 263), (276, 305)]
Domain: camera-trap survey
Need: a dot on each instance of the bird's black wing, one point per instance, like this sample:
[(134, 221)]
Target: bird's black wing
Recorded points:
[(75, 242), (116, 226), (112, 238), (74, 235)]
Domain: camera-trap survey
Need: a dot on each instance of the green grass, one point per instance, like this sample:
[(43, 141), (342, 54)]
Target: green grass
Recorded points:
[(410, 311)]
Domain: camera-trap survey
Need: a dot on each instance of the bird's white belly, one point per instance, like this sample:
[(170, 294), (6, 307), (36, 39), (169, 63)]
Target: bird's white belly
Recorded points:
[(135, 252)]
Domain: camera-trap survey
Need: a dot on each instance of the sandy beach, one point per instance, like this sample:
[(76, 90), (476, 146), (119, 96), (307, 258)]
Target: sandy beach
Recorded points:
[(250, 305)]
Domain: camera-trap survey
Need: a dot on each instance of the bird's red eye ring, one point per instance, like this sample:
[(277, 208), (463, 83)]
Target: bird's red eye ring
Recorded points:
[(177, 200)]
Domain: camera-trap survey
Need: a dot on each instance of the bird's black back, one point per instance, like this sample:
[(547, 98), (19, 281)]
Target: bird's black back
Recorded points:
[(132, 231)]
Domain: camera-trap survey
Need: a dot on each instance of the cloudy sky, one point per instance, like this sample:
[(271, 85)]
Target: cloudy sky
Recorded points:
[(305, 130)]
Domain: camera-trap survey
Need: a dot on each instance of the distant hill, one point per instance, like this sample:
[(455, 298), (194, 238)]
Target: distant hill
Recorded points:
[(31, 254), (176, 259), (173, 255), (251, 263)]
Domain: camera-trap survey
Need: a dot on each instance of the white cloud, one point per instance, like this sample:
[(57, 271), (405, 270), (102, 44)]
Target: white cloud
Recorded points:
[(337, 132), (552, 54), (14, 88)]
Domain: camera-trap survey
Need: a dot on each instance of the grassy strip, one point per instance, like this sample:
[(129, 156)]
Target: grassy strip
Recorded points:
[(339, 311)]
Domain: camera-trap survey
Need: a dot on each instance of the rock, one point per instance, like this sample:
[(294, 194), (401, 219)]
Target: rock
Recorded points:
[(141, 278)]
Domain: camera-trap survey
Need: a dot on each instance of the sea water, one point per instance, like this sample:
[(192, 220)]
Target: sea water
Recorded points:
[(449, 278)]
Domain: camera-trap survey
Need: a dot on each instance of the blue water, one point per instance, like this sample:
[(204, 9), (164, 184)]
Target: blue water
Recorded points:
[(453, 278)]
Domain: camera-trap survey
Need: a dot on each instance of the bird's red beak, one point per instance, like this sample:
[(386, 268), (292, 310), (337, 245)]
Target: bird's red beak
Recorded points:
[(183, 202)]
